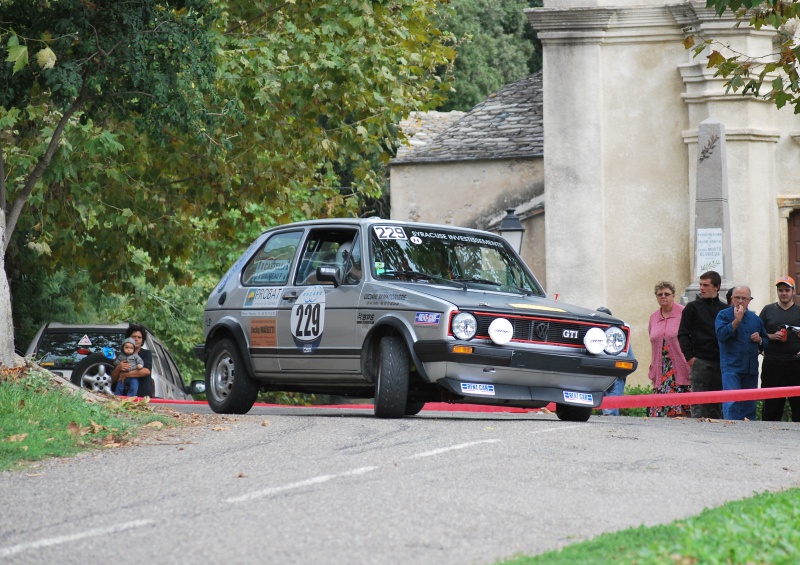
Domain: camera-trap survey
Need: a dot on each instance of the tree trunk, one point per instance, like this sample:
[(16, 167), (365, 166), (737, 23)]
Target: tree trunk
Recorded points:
[(6, 323)]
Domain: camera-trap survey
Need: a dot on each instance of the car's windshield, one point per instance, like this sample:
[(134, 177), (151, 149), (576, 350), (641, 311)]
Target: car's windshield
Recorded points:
[(63, 349), (447, 257)]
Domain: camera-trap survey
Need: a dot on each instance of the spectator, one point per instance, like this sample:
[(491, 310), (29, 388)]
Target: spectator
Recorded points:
[(128, 355), (699, 343), (618, 387), (669, 371), (741, 337), (781, 365), (728, 296), (139, 335)]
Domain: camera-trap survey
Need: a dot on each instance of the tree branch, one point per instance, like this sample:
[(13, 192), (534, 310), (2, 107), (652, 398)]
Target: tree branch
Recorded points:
[(44, 162)]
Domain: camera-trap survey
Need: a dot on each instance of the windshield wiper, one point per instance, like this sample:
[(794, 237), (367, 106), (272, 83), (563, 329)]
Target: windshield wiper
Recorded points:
[(479, 281), (425, 276)]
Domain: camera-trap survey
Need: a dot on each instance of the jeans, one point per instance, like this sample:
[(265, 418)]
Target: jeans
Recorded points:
[(705, 376), (743, 408), (133, 387), (617, 389)]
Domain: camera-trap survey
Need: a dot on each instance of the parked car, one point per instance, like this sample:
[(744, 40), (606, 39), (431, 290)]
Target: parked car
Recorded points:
[(84, 354), (404, 313)]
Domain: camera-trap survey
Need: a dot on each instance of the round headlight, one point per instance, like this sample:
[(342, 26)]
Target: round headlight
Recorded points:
[(615, 340), (464, 326)]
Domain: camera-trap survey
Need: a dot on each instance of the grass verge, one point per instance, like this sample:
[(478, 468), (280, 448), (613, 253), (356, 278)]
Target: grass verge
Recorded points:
[(40, 420), (761, 529)]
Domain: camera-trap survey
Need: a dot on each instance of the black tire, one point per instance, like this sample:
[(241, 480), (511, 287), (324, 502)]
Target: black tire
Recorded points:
[(229, 389), (570, 413), (413, 407), (391, 384), (93, 372)]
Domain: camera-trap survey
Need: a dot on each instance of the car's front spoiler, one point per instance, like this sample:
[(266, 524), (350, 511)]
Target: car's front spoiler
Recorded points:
[(519, 395)]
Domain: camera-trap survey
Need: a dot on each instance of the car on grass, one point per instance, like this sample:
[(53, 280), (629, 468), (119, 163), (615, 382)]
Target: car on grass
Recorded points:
[(405, 313), (84, 354)]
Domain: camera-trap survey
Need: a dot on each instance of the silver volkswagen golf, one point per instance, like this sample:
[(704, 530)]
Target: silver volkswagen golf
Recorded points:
[(404, 313)]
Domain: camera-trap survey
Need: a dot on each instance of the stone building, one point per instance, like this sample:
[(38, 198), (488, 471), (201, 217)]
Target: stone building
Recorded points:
[(622, 103)]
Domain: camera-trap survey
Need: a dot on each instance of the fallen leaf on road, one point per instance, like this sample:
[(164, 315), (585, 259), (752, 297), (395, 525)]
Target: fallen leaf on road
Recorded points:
[(241, 476), (265, 423), (156, 425), (220, 429)]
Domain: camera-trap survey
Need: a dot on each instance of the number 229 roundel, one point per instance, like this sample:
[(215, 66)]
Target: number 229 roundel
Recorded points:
[(308, 315)]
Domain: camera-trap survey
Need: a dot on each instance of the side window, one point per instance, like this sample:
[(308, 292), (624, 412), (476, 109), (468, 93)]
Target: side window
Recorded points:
[(328, 248), (271, 264)]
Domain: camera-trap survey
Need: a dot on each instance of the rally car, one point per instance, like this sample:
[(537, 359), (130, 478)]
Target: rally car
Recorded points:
[(405, 313)]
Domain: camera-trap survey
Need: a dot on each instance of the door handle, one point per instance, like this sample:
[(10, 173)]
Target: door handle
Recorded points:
[(291, 295)]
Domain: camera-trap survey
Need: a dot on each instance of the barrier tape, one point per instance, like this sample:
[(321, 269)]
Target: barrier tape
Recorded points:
[(708, 397), (609, 402)]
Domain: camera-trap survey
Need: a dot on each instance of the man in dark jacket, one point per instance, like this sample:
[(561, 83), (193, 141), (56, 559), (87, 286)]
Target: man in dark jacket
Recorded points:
[(699, 344)]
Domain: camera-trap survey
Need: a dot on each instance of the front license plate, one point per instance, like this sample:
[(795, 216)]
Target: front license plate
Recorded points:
[(578, 397), (477, 388)]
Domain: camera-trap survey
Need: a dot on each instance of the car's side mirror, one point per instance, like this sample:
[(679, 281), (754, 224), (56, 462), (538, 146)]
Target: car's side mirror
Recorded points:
[(197, 387), (329, 274)]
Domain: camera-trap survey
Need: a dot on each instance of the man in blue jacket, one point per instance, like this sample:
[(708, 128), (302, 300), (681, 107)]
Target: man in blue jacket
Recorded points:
[(741, 336)]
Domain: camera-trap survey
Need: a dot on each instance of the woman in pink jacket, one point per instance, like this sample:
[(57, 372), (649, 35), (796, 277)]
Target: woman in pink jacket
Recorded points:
[(669, 371)]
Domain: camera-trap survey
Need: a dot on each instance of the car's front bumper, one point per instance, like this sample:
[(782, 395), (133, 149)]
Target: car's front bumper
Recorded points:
[(521, 375)]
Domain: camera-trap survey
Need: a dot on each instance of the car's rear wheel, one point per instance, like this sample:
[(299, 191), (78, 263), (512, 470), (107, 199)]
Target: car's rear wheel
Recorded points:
[(570, 413), (391, 385), (93, 372), (229, 389), (413, 407)]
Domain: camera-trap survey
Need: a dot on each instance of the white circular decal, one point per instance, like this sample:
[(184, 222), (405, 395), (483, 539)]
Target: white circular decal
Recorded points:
[(308, 314), (416, 240), (595, 340), (501, 331)]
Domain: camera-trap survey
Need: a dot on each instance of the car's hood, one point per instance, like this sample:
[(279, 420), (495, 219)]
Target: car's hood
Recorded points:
[(472, 299)]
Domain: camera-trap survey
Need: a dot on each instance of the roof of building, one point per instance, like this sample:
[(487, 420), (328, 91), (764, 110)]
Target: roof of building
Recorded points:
[(507, 125)]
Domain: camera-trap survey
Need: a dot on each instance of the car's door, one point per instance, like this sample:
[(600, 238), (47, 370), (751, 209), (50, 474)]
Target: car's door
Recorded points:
[(317, 321), (256, 300), (168, 373)]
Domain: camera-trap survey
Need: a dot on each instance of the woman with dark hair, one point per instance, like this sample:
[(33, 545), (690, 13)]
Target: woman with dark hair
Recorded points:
[(138, 333), (669, 370)]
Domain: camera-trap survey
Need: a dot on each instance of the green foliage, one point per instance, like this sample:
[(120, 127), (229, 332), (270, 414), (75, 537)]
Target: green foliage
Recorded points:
[(40, 420), (749, 73), (761, 529), (496, 47)]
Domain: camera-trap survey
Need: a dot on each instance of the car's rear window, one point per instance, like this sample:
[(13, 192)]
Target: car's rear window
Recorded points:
[(63, 349)]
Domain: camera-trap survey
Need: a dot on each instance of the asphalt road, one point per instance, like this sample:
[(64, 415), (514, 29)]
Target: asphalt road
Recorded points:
[(339, 486)]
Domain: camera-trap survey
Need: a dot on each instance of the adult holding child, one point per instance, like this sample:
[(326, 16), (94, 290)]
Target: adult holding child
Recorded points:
[(669, 371), (781, 365), (138, 333)]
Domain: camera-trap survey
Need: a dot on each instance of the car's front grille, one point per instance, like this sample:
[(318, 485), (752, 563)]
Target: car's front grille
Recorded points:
[(535, 329)]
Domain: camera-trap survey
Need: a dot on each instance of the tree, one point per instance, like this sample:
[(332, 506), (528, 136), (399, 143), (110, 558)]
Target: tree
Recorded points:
[(748, 73), (145, 60), (497, 47), (173, 115)]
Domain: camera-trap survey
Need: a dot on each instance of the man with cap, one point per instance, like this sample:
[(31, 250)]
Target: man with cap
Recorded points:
[(781, 365)]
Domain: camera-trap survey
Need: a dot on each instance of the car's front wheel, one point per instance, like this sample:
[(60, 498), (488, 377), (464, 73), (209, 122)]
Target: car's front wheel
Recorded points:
[(229, 389), (391, 385), (414, 407), (94, 373), (570, 413)]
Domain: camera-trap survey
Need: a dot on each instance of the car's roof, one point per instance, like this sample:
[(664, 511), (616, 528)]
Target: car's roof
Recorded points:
[(59, 326), (375, 220)]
